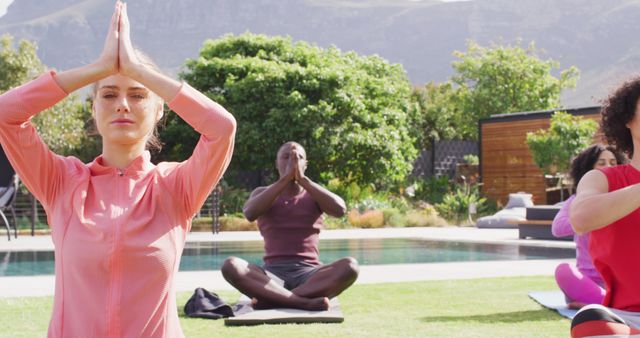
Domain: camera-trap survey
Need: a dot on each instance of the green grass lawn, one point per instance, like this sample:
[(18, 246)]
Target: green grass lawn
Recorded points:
[(493, 307)]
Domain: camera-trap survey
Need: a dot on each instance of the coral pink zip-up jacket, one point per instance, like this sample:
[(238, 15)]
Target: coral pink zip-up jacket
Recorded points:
[(118, 234)]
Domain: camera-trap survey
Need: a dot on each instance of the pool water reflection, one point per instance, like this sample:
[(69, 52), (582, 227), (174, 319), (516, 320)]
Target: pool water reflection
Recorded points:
[(210, 255)]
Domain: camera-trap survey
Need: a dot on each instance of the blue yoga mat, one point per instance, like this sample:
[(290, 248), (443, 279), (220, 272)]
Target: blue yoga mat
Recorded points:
[(553, 300)]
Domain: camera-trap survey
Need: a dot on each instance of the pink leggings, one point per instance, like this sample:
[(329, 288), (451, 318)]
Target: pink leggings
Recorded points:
[(578, 287)]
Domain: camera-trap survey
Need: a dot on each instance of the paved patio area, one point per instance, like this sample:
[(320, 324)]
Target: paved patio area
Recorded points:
[(189, 280)]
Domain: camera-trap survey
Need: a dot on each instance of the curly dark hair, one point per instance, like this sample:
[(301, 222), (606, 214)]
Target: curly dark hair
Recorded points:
[(617, 110), (587, 159)]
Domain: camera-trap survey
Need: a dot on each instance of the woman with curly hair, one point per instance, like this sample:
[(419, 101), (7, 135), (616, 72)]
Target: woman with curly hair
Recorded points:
[(607, 205), (581, 283)]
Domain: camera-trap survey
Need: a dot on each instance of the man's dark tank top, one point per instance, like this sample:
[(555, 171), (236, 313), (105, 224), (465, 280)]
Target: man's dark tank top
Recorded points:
[(290, 229)]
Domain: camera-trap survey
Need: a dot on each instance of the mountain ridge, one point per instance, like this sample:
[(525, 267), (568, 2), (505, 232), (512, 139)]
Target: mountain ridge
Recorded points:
[(421, 35)]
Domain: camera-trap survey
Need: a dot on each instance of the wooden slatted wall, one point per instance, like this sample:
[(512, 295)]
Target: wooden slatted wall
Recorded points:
[(506, 165)]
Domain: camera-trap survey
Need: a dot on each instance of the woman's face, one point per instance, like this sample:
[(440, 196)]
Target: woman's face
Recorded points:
[(634, 124), (606, 159), (125, 111)]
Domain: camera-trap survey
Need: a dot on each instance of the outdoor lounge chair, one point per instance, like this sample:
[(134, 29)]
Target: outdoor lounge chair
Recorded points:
[(8, 191), (516, 210), (538, 223)]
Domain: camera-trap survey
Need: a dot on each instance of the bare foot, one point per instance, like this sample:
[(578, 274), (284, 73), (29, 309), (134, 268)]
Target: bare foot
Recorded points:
[(325, 304), (261, 304), (315, 304)]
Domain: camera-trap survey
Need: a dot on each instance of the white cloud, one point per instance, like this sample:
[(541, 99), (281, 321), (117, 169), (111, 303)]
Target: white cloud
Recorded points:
[(4, 4)]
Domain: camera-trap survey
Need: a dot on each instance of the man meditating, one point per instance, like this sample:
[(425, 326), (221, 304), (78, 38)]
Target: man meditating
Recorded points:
[(289, 214)]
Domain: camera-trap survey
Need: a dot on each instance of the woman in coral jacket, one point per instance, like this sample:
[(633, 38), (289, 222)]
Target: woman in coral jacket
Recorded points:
[(119, 223)]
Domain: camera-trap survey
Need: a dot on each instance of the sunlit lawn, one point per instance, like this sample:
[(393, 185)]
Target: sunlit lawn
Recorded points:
[(495, 307)]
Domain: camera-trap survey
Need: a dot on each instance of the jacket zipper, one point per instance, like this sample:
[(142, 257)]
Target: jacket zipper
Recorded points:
[(113, 321)]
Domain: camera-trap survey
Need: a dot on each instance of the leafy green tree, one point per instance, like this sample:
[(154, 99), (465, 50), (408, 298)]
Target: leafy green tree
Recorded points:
[(17, 65), (507, 79), (348, 111), (61, 127), (496, 80), (553, 148), (437, 114)]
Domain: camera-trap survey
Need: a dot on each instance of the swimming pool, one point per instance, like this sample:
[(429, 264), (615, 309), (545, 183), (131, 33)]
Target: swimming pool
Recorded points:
[(211, 255)]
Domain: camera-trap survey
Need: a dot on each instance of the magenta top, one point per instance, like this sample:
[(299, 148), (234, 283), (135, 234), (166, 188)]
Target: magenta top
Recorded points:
[(561, 227), (290, 229), (118, 234)]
